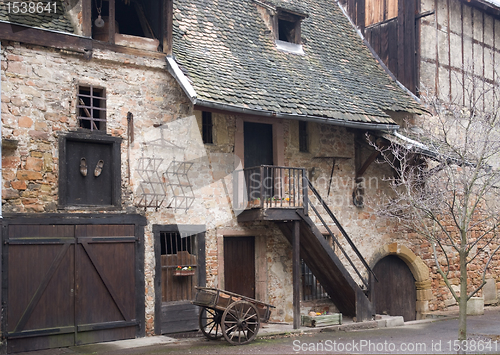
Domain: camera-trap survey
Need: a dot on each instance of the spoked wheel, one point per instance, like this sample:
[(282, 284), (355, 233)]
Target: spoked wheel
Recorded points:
[(209, 321), (240, 323)]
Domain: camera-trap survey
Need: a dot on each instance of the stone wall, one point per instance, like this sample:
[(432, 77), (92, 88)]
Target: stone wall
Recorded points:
[(39, 88)]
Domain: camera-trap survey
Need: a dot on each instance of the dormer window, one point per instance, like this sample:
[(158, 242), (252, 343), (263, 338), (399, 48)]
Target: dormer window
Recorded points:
[(287, 30), (134, 23), (289, 27)]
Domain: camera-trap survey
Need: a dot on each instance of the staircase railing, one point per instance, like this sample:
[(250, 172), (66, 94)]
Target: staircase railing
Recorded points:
[(369, 271), (269, 186)]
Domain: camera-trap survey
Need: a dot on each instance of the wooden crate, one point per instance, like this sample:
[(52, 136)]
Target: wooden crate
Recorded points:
[(322, 321)]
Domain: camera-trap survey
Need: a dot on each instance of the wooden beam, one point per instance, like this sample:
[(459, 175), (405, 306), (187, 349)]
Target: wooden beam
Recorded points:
[(367, 163), (111, 26), (168, 23), (23, 34), (87, 18), (296, 274)]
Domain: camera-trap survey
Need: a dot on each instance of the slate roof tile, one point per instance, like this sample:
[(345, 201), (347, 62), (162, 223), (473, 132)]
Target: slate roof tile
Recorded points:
[(226, 50), (56, 21)]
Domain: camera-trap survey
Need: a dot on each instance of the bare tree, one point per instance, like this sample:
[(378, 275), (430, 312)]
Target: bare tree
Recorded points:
[(446, 184)]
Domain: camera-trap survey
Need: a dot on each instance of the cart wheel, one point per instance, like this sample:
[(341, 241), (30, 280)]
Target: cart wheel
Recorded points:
[(209, 321), (240, 323)]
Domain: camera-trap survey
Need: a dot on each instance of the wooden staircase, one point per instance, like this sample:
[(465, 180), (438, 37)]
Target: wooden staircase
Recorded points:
[(345, 293), (351, 297)]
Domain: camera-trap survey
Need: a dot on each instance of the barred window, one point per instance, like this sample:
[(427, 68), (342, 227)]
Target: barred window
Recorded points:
[(91, 108)]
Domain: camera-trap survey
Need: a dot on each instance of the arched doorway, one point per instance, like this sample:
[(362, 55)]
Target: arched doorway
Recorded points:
[(395, 293)]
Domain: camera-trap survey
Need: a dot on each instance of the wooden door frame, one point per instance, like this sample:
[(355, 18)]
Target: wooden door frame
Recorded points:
[(261, 235), (278, 138), (78, 219), (199, 230)]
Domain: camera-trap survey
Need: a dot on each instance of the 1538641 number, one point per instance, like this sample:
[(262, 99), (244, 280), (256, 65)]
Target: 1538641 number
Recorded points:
[(31, 7)]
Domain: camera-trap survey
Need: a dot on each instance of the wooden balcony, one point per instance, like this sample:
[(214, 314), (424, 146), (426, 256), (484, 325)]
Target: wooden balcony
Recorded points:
[(272, 193)]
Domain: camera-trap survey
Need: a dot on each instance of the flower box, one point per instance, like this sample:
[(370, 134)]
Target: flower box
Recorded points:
[(184, 272)]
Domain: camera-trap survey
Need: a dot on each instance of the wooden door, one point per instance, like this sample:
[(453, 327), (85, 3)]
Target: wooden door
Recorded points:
[(40, 287), (258, 144), (94, 187), (105, 283), (395, 293), (69, 285), (239, 265), (182, 250), (258, 150)]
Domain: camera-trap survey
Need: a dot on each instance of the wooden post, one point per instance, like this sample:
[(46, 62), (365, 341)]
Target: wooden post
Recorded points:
[(305, 192), (86, 18), (111, 26), (261, 172), (296, 274), (168, 23)]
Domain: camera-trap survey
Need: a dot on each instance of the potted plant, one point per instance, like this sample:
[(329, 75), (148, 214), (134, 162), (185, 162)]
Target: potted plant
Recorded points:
[(184, 271)]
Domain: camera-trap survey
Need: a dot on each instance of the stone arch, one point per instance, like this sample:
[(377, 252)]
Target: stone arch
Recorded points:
[(417, 267)]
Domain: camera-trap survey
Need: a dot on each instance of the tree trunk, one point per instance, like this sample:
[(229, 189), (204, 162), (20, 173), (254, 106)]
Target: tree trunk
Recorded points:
[(462, 304)]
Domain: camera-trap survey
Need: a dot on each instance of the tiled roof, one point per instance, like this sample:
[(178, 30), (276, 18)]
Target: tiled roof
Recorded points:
[(228, 53), (41, 17)]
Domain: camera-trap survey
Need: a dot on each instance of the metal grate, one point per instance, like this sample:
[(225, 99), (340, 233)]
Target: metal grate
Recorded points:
[(173, 242), (311, 288), (91, 107)]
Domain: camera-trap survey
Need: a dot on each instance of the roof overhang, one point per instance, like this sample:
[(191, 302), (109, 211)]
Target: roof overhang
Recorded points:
[(490, 6), (343, 119)]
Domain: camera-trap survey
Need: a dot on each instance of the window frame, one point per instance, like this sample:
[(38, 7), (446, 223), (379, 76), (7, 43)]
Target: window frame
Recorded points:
[(293, 18), (82, 106)]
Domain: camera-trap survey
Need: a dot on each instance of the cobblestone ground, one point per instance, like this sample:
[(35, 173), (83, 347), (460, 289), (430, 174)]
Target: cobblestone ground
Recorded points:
[(419, 337)]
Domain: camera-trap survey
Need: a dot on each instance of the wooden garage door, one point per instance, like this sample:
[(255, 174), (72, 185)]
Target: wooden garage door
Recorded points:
[(395, 293), (69, 285)]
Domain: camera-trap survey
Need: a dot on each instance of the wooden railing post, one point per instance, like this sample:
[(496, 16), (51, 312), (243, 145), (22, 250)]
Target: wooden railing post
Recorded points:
[(305, 192), (261, 186), (296, 274)]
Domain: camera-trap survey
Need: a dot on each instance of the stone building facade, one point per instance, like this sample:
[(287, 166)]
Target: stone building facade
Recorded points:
[(170, 176)]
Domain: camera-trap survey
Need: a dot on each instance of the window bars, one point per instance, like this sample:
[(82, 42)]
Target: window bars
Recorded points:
[(91, 108)]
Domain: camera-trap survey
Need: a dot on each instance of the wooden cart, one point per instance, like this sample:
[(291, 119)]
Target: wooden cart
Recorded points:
[(226, 314)]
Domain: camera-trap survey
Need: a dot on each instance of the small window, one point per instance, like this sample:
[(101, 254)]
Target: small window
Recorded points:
[(207, 127), (288, 27), (174, 243), (286, 31), (91, 107), (303, 137), (311, 288)]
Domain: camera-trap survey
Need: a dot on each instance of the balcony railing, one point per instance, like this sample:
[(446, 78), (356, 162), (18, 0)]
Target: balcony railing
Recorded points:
[(270, 187)]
